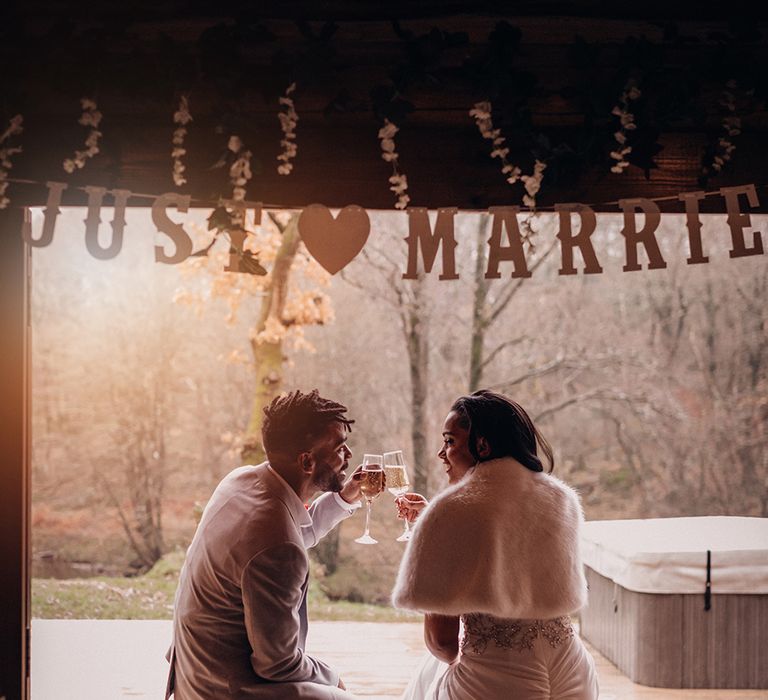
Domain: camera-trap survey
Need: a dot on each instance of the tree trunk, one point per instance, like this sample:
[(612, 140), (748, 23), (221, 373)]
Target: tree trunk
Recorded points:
[(268, 356), (485, 314), (268, 359), (417, 331), (479, 320)]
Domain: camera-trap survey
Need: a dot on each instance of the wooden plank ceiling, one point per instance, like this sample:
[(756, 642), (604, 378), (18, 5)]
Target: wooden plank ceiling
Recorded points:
[(554, 71)]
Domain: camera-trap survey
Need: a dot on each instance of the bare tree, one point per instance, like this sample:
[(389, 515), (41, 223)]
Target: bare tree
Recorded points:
[(288, 301), (488, 307), (410, 301), (134, 469)]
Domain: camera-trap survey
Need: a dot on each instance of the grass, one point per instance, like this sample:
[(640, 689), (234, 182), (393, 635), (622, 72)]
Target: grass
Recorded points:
[(147, 597), (150, 597)]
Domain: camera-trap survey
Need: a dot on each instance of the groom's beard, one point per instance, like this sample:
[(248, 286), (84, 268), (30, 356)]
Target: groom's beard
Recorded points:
[(327, 479)]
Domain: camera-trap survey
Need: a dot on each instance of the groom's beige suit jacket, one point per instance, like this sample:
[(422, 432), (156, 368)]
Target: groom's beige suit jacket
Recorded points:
[(240, 620)]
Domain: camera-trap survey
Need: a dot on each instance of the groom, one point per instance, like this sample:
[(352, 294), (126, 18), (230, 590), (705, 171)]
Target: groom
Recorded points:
[(240, 615)]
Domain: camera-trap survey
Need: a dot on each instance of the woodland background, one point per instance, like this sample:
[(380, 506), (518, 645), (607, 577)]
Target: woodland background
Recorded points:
[(651, 386)]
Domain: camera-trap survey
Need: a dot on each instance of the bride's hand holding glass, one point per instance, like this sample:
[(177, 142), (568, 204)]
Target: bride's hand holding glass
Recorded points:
[(410, 505), (396, 474)]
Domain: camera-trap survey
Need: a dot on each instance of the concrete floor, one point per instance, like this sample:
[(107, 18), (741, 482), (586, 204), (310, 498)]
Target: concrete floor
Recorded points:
[(118, 659)]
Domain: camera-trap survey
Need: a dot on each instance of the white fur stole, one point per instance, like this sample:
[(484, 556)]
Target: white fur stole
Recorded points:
[(503, 541)]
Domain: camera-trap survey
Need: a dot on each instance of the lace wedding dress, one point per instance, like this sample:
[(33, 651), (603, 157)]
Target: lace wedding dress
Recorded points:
[(502, 659)]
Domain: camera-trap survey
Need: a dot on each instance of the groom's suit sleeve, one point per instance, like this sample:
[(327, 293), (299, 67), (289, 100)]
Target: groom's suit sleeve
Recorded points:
[(273, 587), (326, 512)]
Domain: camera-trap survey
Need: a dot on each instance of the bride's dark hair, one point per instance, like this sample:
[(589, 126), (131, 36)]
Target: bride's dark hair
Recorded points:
[(505, 425)]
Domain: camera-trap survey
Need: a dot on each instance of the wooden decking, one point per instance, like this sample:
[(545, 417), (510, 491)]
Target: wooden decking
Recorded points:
[(117, 659)]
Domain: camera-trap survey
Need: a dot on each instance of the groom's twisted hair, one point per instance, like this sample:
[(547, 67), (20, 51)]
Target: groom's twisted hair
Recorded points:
[(294, 421), (506, 426)]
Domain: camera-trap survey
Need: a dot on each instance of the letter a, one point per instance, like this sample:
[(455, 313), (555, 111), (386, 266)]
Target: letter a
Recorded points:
[(505, 217)]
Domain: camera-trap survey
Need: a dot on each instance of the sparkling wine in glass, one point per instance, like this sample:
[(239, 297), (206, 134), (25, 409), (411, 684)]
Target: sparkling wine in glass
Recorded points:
[(397, 482), (372, 485)]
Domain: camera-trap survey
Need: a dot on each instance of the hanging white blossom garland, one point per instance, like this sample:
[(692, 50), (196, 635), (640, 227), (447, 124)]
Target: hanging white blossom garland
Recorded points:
[(230, 216), (532, 183), (288, 120), (6, 152), (731, 127), (481, 112), (482, 115), (181, 117), (90, 117), (240, 170), (627, 120), (398, 181)]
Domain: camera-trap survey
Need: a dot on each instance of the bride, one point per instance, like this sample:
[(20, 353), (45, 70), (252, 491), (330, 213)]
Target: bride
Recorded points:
[(494, 564)]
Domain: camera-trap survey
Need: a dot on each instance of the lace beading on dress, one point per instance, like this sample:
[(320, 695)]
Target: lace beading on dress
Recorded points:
[(481, 629)]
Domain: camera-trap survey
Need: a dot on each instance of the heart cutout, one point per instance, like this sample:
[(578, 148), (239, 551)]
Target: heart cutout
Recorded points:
[(334, 243)]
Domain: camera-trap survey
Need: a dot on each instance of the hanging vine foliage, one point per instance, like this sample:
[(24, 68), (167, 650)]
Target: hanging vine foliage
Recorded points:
[(554, 102)]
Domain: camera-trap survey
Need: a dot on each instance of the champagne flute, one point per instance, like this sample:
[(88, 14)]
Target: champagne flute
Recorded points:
[(371, 486), (397, 483)]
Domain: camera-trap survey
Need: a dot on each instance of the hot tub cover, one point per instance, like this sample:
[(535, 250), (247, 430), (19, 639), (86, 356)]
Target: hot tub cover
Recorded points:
[(669, 555)]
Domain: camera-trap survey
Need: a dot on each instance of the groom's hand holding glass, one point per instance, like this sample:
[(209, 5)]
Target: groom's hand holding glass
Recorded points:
[(372, 483), (351, 492)]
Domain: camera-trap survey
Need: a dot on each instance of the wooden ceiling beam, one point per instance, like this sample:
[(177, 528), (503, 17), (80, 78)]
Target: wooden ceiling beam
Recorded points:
[(118, 55)]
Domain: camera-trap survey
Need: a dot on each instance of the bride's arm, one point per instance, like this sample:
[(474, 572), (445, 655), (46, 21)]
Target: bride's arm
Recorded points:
[(441, 635)]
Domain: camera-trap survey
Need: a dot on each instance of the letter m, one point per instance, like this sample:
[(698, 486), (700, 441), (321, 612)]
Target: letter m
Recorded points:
[(420, 235)]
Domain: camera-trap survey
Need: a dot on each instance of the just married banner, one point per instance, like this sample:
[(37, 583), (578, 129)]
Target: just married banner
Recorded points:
[(334, 241)]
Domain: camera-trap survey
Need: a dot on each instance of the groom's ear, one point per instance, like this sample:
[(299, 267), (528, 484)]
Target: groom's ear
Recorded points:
[(306, 462), (482, 448)]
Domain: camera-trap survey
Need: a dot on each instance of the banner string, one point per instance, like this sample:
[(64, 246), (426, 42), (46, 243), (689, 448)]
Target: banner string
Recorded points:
[(249, 204)]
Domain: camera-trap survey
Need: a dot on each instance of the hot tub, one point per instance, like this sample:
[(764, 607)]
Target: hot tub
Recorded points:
[(664, 616)]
